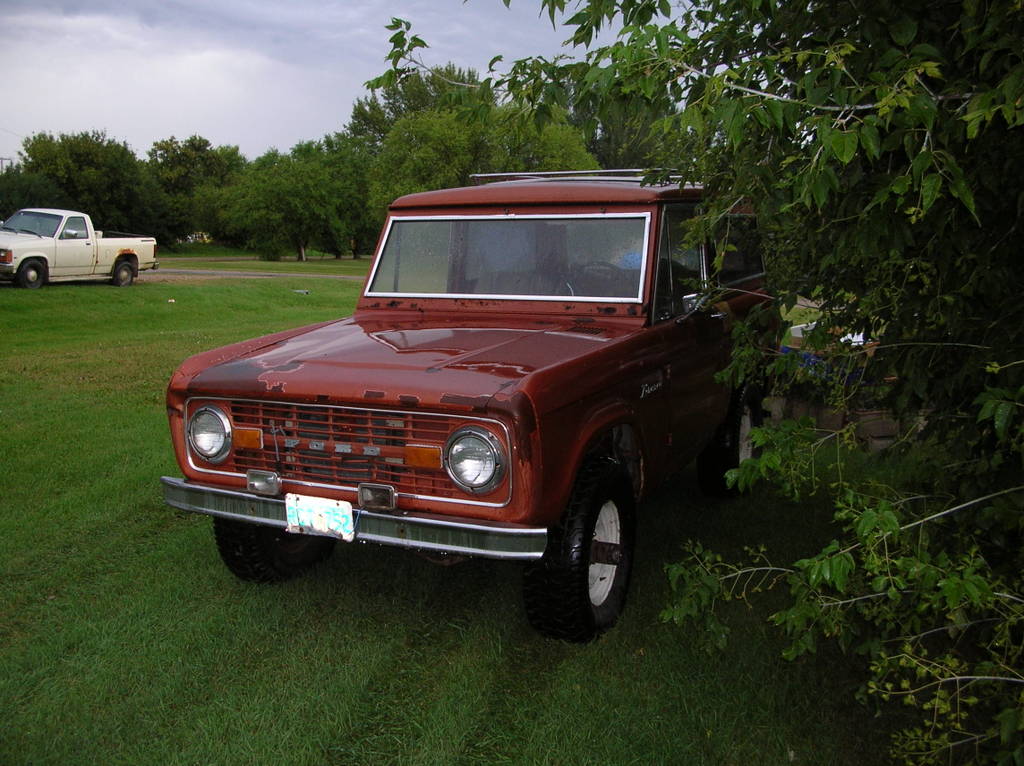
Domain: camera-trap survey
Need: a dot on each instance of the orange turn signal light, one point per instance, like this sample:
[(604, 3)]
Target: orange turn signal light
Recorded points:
[(247, 438), (423, 457)]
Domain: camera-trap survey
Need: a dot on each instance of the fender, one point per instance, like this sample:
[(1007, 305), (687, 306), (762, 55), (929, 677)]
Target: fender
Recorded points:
[(589, 428), (37, 254)]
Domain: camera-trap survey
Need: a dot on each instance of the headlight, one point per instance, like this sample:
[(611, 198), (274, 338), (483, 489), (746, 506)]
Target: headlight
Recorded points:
[(474, 459), (6, 256), (209, 433)]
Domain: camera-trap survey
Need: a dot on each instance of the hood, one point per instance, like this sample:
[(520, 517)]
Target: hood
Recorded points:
[(12, 239), (404, 362)]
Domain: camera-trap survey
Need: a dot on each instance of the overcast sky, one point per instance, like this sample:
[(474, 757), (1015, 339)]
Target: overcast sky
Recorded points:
[(254, 73)]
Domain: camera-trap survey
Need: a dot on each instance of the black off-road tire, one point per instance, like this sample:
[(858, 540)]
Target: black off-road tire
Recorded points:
[(123, 275), (31, 274), (731, 444), (260, 553), (578, 589)]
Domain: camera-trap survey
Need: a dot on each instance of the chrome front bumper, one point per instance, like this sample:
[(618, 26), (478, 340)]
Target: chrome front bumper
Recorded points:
[(421, 531)]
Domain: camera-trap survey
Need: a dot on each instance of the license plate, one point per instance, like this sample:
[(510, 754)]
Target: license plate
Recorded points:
[(320, 515)]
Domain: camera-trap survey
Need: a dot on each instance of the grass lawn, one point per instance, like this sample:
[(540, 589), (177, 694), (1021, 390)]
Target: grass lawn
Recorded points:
[(221, 258), (123, 639)]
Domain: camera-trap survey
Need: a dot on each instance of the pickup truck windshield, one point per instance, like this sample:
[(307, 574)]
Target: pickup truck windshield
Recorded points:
[(43, 224), (589, 257)]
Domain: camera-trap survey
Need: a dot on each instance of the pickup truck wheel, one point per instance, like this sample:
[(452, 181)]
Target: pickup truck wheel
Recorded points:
[(732, 443), (123, 275), (578, 589), (31, 274), (260, 553)]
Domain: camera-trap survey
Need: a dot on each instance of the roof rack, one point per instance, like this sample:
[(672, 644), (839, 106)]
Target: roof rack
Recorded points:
[(635, 175)]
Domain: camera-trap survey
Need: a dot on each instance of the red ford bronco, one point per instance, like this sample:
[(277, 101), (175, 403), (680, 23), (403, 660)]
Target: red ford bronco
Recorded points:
[(529, 357)]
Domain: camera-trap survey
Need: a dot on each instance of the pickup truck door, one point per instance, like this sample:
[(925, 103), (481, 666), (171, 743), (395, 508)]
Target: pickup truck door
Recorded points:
[(75, 251)]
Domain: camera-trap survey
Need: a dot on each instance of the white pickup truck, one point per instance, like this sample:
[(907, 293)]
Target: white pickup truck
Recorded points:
[(40, 245)]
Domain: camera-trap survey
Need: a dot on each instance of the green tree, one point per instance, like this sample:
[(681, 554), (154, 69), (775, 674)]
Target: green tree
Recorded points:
[(212, 200), (440, 148), (349, 159), (19, 189), (619, 128), (421, 141), (374, 116), (315, 196), (882, 147), (279, 203), (553, 146), (97, 175), (427, 150), (181, 168)]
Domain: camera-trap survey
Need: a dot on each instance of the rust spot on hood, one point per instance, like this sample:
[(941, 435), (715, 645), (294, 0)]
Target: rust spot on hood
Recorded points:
[(469, 402), (289, 367)]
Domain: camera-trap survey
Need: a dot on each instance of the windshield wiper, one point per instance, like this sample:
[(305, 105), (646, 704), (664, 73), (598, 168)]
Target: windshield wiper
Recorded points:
[(29, 231), (8, 228)]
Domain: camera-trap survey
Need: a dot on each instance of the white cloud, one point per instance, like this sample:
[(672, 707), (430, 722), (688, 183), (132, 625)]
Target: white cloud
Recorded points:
[(255, 74)]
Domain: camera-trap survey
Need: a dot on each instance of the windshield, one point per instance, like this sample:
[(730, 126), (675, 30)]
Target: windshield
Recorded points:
[(29, 222), (588, 257)]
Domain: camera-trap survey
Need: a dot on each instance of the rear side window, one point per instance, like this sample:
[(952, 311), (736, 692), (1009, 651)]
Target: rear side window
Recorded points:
[(741, 258)]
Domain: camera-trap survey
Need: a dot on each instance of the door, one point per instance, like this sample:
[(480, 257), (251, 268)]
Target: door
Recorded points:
[(75, 250), (694, 342)]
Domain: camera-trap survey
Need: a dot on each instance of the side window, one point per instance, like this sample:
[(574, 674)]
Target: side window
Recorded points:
[(679, 262), (742, 257), (74, 228)]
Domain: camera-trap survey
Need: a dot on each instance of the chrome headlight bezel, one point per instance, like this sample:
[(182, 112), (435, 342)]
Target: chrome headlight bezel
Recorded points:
[(479, 439), (223, 449)]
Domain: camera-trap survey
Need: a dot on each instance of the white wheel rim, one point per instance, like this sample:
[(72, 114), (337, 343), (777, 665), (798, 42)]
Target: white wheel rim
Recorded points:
[(607, 529)]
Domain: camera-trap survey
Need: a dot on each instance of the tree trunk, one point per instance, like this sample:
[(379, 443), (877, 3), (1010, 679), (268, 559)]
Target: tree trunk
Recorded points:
[(302, 252)]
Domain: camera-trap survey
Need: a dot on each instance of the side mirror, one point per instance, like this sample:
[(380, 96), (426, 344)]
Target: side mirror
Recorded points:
[(691, 305)]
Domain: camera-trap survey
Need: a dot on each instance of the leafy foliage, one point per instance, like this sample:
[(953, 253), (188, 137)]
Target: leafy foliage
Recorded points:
[(431, 149), (182, 168), (374, 116), (314, 196), (95, 174), (288, 202), (19, 189), (426, 134), (438, 148)]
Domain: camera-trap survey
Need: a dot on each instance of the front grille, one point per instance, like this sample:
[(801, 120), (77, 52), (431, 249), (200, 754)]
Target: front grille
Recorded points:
[(343, 446)]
